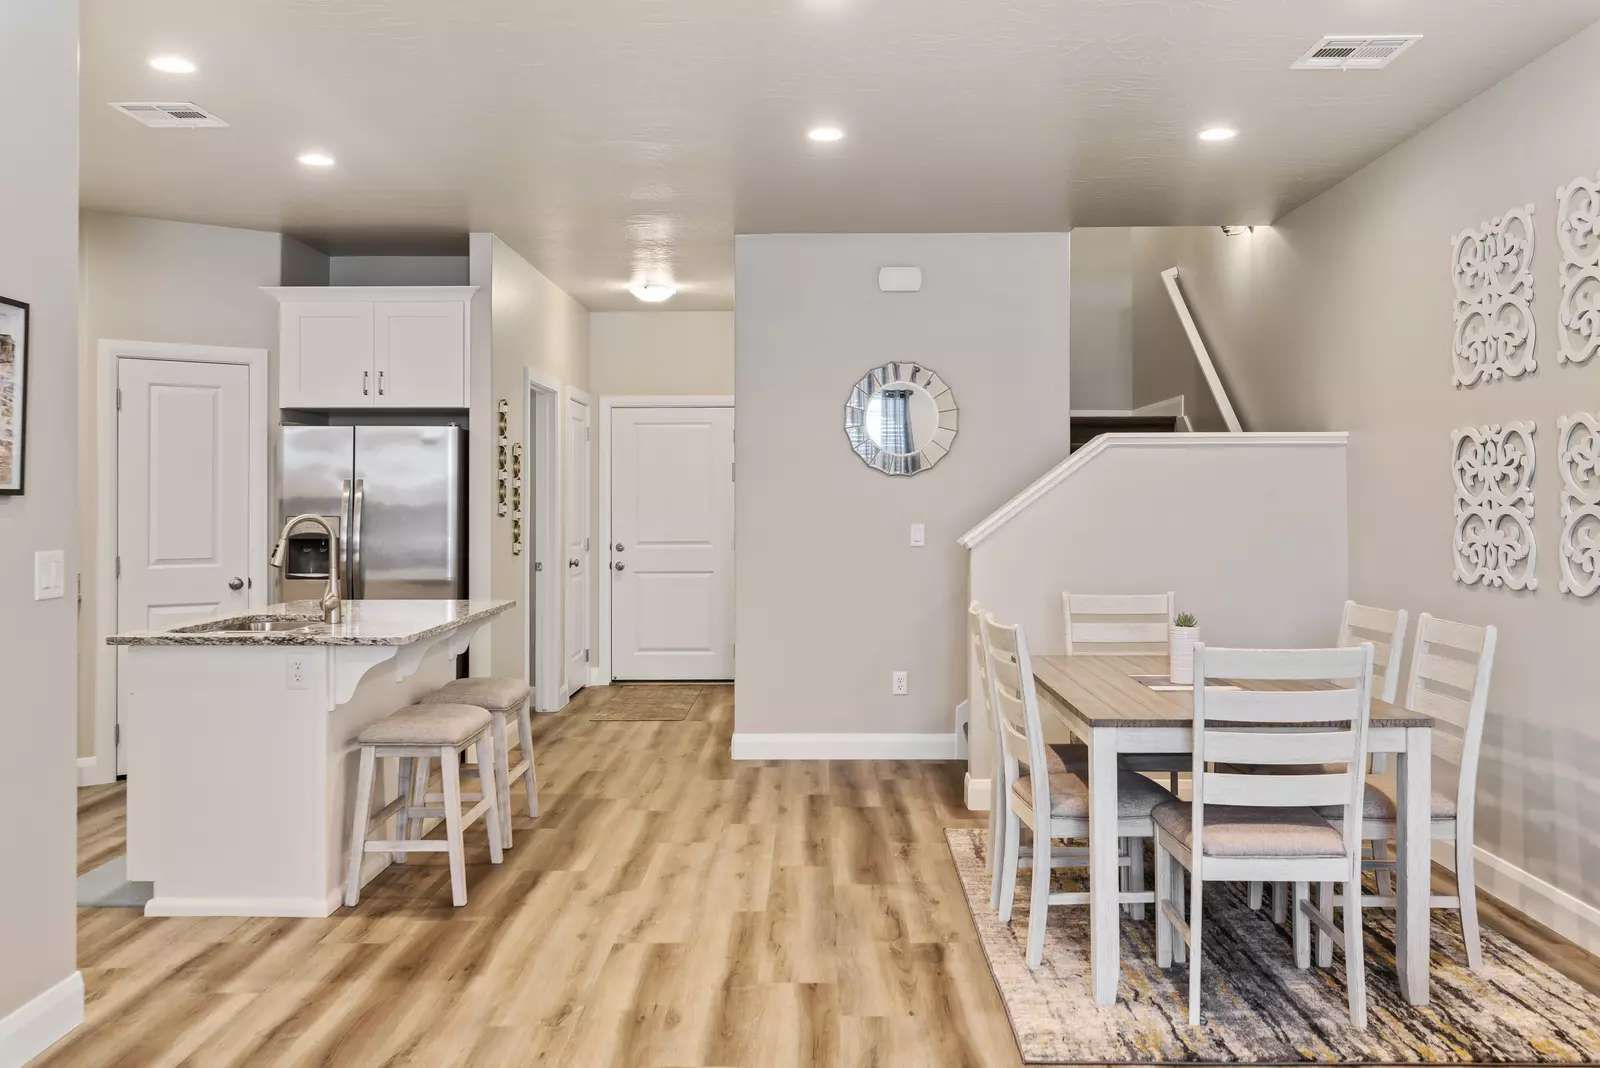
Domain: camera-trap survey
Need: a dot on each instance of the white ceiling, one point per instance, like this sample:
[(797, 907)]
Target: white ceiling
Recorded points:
[(610, 139)]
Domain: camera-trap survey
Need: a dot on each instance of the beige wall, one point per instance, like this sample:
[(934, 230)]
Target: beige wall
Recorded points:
[(831, 598), (1340, 317), (150, 280), (1273, 575), (38, 265), (661, 353), (532, 324), (1102, 318)]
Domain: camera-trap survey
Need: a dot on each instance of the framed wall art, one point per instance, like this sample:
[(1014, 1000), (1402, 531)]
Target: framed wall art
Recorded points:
[(13, 393)]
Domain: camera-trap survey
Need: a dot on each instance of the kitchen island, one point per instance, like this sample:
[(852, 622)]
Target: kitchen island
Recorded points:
[(240, 740)]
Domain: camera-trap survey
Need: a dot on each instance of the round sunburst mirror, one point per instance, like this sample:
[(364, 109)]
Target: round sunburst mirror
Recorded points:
[(901, 418)]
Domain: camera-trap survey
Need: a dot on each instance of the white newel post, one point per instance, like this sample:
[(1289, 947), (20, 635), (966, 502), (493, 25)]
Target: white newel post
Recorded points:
[(1181, 643)]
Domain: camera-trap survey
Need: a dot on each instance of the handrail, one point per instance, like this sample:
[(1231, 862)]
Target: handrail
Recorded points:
[(1207, 368)]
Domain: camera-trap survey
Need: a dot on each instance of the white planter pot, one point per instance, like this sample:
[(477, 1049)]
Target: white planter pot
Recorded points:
[(1181, 642)]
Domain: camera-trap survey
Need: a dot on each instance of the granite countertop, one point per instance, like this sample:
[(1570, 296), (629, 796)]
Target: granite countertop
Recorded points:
[(362, 623)]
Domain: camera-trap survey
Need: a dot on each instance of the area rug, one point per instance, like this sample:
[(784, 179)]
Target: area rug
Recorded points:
[(1257, 1007), (640, 702), (107, 887)]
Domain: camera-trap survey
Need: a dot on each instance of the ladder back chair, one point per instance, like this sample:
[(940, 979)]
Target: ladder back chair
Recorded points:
[(1052, 804), (1255, 825)]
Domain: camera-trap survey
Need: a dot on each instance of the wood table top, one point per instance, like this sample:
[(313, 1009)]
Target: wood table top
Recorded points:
[(1102, 692)]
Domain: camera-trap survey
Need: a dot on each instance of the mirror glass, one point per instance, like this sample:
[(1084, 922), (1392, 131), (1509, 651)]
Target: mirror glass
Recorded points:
[(901, 418)]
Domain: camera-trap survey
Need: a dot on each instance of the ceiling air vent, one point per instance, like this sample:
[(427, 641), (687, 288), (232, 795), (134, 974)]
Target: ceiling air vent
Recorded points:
[(1356, 53), (171, 116)]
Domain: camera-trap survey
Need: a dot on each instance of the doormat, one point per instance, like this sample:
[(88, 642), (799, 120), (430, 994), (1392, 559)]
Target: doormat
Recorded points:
[(645, 702), (1257, 1007)]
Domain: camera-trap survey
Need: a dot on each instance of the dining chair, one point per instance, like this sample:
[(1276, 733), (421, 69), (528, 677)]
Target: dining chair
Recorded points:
[(1451, 664), (1256, 825), (1054, 804), (1385, 628), (1125, 624)]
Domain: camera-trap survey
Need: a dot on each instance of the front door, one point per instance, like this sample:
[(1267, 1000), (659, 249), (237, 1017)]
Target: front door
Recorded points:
[(672, 543), (575, 542), (183, 493)]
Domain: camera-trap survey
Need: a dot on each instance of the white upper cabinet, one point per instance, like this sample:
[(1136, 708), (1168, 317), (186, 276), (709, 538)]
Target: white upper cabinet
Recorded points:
[(390, 347)]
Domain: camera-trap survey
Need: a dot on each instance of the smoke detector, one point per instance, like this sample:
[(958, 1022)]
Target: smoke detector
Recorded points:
[(1355, 53), (169, 116)]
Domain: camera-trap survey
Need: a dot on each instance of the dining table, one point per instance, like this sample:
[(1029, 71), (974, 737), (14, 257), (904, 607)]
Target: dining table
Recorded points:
[(1118, 705)]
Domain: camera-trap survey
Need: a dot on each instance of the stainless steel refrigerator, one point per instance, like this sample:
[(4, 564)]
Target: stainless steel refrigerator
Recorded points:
[(398, 497)]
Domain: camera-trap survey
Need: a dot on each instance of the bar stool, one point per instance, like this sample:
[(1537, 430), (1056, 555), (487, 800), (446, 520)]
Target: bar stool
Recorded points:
[(500, 695), (416, 735)]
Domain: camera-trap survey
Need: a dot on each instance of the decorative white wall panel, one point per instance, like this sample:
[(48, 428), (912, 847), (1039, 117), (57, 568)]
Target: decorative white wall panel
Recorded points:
[(1578, 455), (1493, 471), (1578, 233), (1492, 270)]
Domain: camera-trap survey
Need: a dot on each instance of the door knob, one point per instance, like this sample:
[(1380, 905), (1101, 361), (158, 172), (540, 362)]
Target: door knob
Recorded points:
[(236, 583), (620, 546), (620, 566)]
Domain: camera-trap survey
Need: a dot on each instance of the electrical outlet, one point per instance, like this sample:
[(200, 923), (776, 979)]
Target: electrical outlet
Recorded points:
[(919, 535), (898, 685), (299, 668)]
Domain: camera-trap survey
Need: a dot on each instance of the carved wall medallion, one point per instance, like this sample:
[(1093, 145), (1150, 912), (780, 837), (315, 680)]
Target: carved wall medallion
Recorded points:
[(1492, 269), (1578, 234), (1578, 455), (1494, 540)]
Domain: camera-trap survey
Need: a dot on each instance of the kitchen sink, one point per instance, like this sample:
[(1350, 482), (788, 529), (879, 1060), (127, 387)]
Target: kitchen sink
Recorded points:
[(256, 626)]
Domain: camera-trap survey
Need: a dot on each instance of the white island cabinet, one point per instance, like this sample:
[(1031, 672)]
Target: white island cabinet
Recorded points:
[(241, 745)]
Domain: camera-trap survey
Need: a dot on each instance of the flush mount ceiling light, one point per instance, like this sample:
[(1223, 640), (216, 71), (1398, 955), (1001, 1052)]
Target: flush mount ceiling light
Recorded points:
[(316, 159), (172, 65), (653, 292), (1218, 133), (825, 133)]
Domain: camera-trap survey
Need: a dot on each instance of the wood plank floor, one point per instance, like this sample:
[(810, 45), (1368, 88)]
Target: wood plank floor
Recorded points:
[(671, 907)]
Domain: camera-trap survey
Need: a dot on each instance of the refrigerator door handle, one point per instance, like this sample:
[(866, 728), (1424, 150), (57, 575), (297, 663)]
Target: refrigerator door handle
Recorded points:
[(338, 557), (358, 578)]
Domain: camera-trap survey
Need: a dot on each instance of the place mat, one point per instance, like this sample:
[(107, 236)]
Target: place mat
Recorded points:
[(1257, 1007), (644, 702)]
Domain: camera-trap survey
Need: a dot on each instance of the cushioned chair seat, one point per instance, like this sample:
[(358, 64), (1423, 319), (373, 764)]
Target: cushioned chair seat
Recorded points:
[(1069, 795), (439, 725), (1380, 803), (1235, 831), (497, 693)]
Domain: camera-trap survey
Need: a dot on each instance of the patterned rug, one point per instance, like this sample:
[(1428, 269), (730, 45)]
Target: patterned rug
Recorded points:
[(641, 701), (1256, 1006)]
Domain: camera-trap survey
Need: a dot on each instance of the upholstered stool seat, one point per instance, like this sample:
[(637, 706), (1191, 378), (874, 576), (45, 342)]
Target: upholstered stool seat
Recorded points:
[(428, 724), (502, 696), (415, 736)]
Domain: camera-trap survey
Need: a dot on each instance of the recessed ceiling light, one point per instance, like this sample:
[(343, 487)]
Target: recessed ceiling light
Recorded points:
[(172, 65), (317, 159), (1218, 133), (653, 292), (825, 133)]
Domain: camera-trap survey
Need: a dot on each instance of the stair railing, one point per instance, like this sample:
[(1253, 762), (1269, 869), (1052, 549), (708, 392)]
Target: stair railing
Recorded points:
[(1201, 355)]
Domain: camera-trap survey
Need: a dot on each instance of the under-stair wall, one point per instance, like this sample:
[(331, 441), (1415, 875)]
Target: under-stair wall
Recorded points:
[(1249, 529)]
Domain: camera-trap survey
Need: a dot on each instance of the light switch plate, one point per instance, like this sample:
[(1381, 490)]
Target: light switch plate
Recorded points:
[(919, 535), (49, 575)]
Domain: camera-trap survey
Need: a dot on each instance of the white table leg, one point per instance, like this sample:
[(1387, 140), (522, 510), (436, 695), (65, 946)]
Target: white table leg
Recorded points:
[(1104, 910), (1414, 780)]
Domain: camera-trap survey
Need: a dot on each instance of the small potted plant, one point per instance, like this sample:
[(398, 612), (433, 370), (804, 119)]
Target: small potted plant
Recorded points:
[(1181, 640)]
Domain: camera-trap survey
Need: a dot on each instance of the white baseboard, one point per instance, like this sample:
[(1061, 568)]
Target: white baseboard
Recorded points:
[(595, 679), (36, 1026), (749, 746), (977, 793), (90, 774), (1552, 906)]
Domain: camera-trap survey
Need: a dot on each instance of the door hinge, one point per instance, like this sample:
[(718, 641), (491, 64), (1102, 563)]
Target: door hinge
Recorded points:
[(116, 735), (585, 433), (537, 566), (585, 544), (119, 398), (119, 567), (733, 472), (586, 656)]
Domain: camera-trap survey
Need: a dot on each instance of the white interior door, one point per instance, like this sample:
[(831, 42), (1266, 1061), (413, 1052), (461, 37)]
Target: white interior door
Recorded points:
[(672, 551), (183, 493), (575, 542)]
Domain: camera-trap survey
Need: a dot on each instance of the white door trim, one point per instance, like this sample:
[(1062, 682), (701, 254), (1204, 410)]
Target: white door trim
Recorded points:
[(541, 605), (102, 766), (574, 394), (607, 406)]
